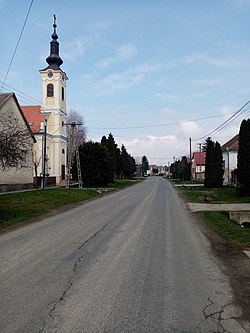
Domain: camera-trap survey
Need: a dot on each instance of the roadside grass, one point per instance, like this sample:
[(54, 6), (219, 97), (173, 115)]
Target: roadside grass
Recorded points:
[(219, 221), (215, 195), (227, 229), (22, 206), (19, 207), (183, 182)]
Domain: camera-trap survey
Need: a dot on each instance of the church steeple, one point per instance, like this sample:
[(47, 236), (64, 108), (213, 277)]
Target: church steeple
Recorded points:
[(54, 60)]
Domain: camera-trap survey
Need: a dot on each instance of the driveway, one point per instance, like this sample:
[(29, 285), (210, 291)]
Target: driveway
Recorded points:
[(199, 207)]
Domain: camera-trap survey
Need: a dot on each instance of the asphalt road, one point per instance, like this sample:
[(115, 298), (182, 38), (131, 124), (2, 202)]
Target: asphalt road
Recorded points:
[(132, 261)]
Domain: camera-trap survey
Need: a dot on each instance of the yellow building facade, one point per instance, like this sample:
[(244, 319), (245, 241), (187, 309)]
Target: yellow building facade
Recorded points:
[(49, 126)]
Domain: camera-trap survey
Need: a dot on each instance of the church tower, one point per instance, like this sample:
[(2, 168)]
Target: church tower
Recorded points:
[(53, 84)]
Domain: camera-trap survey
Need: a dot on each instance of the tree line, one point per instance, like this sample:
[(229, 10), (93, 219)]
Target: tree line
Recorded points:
[(102, 162), (214, 167)]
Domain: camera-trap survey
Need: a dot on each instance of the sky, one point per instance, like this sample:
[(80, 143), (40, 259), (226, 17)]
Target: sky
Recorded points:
[(154, 73)]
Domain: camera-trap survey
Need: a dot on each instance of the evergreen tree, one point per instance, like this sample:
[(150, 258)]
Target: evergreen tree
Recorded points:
[(94, 161), (214, 164), (118, 168), (185, 171), (128, 166), (144, 165), (210, 164), (243, 172), (111, 147), (218, 166)]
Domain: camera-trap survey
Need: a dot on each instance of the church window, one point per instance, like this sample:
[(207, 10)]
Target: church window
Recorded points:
[(50, 90), (62, 93)]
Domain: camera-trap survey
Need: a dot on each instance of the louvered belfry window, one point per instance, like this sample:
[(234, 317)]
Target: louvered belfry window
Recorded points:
[(50, 90)]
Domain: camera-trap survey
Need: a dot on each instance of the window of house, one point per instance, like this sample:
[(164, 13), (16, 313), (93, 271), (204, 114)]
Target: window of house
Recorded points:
[(63, 151), (62, 93), (50, 90)]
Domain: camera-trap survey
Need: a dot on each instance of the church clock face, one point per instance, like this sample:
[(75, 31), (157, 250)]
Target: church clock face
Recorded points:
[(50, 74)]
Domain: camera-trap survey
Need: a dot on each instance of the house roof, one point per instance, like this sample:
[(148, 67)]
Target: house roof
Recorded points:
[(232, 144), (4, 97), (199, 158), (34, 117)]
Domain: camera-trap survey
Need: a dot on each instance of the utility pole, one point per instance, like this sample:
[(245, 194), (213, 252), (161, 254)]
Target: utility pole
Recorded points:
[(72, 151), (190, 156), (44, 152), (228, 176)]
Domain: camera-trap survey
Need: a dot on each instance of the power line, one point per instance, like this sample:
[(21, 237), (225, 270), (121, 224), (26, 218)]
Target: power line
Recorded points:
[(145, 138), (223, 125), (31, 99), (18, 41), (157, 125)]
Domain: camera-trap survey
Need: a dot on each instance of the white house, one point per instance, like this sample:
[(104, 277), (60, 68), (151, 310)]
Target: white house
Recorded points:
[(15, 129), (229, 154)]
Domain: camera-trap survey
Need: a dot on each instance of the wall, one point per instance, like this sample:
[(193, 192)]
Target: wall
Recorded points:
[(22, 175)]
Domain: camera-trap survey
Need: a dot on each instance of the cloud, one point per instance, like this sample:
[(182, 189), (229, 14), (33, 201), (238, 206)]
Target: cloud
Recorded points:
[(158, 149), (191, 129), (205, 82), (217, 62), (117, 81), (77, 47), (166, 112), (125, 51)]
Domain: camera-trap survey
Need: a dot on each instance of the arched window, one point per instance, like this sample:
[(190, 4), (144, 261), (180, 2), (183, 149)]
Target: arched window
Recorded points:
[(50, 90), (62, 93)]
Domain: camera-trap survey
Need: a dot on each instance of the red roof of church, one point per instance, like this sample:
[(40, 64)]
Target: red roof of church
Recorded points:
[(232, 144), (199, 158), (33, 116)]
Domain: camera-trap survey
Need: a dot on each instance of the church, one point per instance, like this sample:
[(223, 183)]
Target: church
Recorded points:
[(48, 120)]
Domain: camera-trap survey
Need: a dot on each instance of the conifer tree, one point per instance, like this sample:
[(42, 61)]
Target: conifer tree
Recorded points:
[(110, 145), (144, 165), (210, 164), (218, 166), (243, 169)]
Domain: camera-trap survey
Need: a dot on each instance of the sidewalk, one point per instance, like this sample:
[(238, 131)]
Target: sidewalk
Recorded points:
[(198, 207)]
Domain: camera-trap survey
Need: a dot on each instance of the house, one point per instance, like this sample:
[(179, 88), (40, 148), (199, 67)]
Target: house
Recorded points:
[(16, 145), (198, 165), (229, 155), (48, 120)]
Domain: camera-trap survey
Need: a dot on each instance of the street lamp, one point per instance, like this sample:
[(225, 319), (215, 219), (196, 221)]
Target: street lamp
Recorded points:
[(44, 152)]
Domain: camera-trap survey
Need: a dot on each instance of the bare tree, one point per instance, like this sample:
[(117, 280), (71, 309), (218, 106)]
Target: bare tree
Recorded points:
[(15, 142), (76, 129)]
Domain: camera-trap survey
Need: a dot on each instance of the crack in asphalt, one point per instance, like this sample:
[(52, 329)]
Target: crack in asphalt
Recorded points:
[(83, 244), (216, 317), (70, 283)]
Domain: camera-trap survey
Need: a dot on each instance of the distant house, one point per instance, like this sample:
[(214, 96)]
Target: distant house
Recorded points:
[(13, 126), (198, 165), (229, 155)]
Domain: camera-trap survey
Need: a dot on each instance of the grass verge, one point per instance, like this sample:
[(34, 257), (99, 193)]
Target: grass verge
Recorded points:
[(215, 195), (16, 208), (19, 207), (227, 229), (219, 221)]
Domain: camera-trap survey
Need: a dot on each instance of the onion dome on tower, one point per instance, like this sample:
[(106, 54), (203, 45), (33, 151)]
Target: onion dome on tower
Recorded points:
[(54, 60)]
